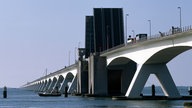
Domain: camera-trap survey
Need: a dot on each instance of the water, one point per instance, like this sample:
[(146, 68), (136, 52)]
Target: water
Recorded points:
[(18, 98)]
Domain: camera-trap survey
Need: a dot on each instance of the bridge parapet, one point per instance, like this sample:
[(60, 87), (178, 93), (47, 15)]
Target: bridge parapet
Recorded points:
[(63, 70), (66, 69), (161, 35)]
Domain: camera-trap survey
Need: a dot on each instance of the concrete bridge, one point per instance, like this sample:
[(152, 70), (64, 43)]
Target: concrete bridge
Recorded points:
[(123, 70), (136, 62), (62, 78)]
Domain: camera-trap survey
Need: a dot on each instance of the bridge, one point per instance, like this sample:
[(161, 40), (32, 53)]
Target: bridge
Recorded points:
[(122, 70), (62, 78)]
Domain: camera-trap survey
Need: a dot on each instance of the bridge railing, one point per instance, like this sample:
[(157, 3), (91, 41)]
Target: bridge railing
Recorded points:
[(134, 41), (65, 69), (172, 31)]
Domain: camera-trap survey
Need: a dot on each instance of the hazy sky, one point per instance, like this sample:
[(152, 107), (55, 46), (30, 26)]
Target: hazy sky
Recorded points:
[(39, 34)]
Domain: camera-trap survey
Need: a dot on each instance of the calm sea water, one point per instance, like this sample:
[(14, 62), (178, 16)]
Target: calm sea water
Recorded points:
[(19, 98)]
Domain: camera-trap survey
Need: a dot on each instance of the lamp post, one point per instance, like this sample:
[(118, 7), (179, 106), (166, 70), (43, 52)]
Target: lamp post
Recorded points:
[(179, 15), (133, 33), (126, 28), (69, 58), (75, 54), (149, 28)]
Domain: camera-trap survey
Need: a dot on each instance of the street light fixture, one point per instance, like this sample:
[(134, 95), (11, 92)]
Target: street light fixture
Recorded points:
[(180, 15), (126, 28), (149, 28)]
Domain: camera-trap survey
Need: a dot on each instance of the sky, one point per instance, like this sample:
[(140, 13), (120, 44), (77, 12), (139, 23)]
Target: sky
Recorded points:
[(36, 35)]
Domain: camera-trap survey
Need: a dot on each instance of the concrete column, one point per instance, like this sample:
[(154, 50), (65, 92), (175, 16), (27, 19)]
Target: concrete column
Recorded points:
[(82, 77), (36, 87), (163, 75), (57, 84), (44, 86), (73, 86), (138, 82), (167, 84), (97, 75), (40, 87), (51, 86), (63, 84), (47, 85)]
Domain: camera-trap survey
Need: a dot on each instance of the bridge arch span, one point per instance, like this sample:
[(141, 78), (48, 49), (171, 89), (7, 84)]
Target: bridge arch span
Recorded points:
[(120, 61), (69, 78), (44, 83), (67, 81), (52, 84), (69, 75), (156, 64), (47, 83), (120, 72), (59, 81), (167, 54)]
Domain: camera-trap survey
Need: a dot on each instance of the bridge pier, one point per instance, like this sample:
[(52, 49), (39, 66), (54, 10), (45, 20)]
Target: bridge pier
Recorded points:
[(82, 77), (41, 87), (47, 86), (163, 75), (73, 86), (51, 86), (97, 75), (36, 87), (57, 84), (63, 85)]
